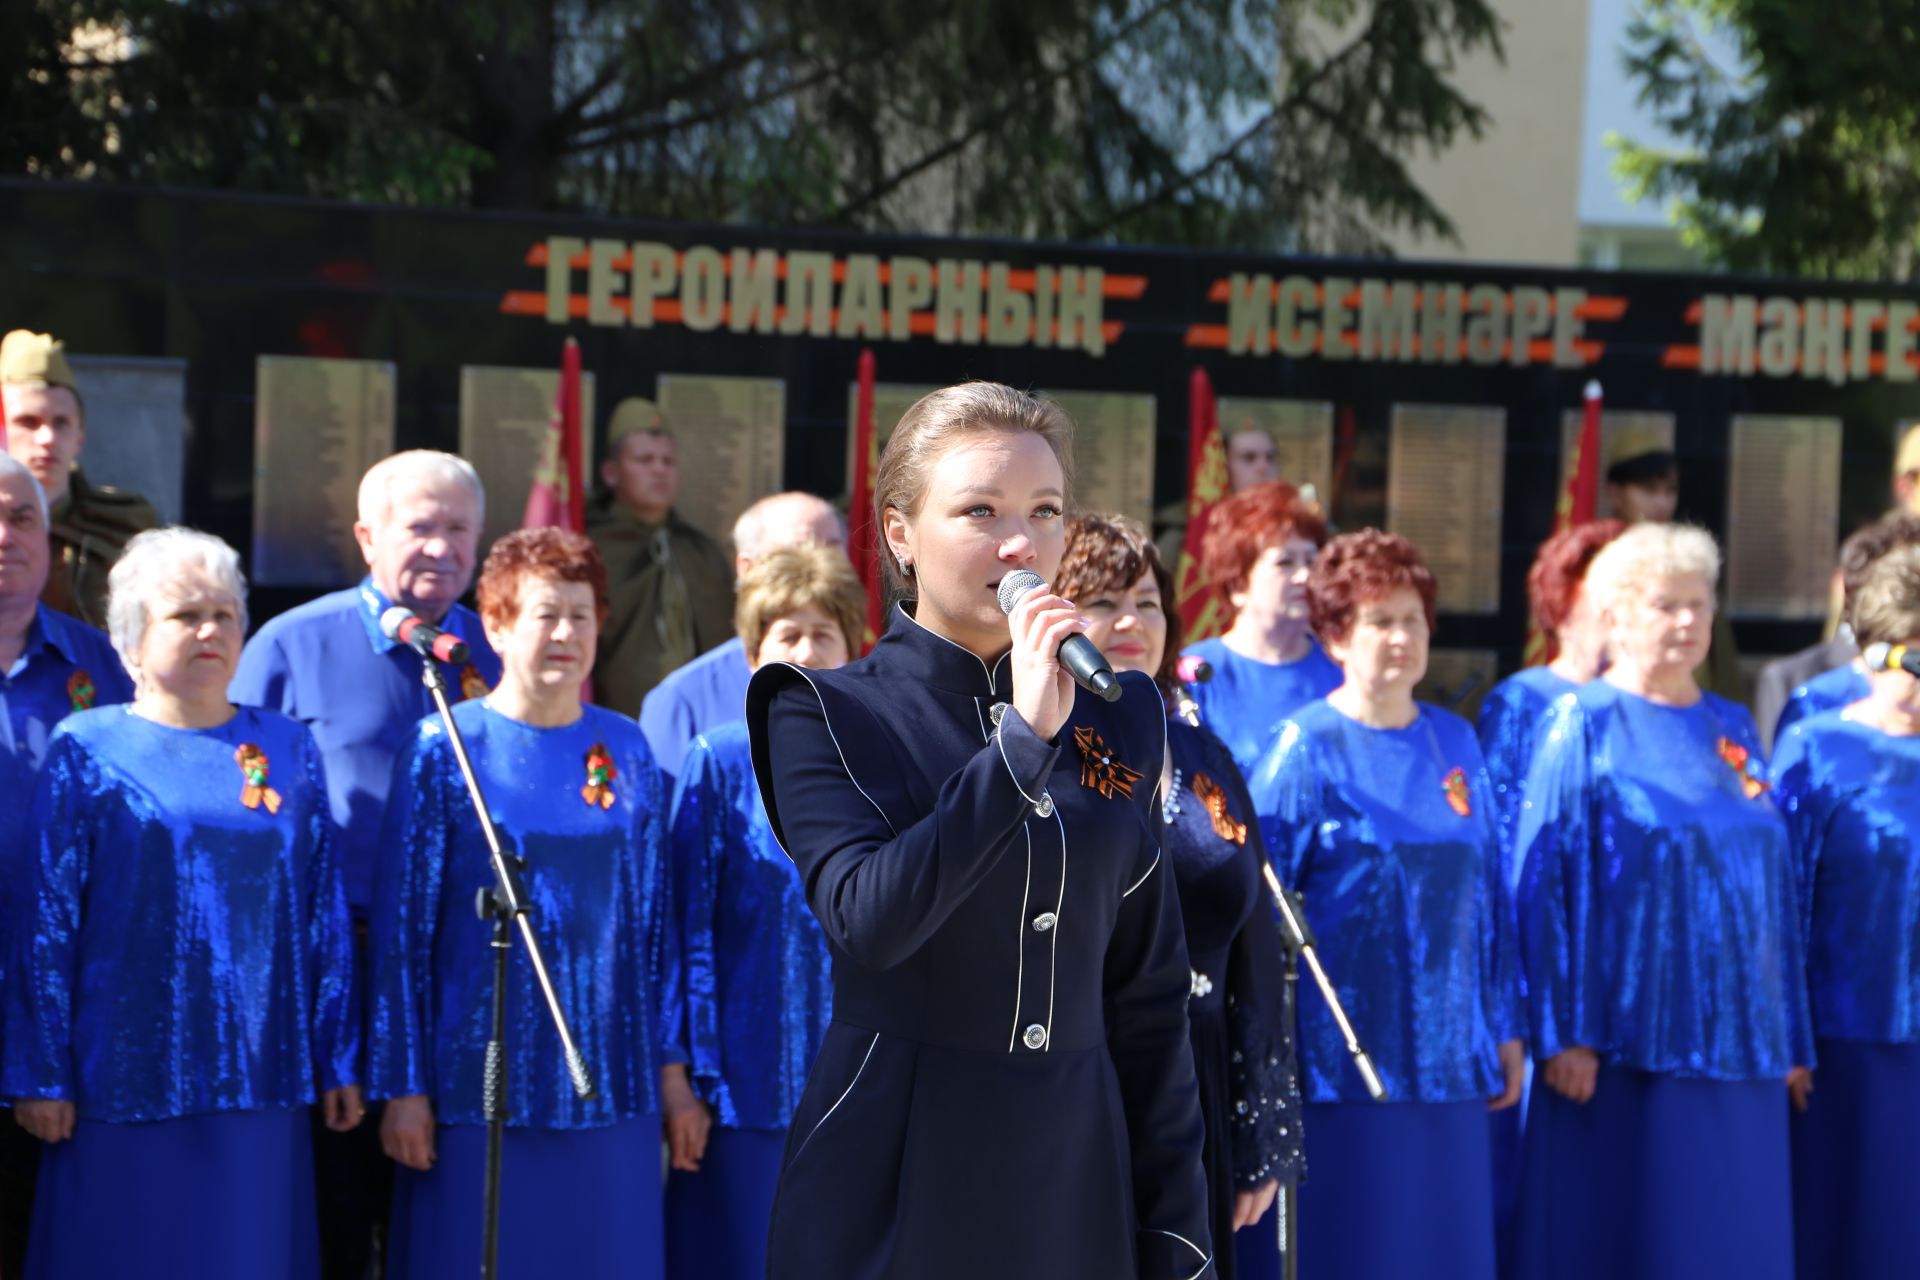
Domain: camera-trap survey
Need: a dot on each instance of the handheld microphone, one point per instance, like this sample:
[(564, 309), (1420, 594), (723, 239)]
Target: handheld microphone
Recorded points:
[(1891, 657), (1077, 653), (1192, 670), (404, 625)]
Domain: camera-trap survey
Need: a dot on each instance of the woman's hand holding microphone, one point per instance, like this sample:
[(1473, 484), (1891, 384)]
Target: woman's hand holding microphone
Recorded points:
[(1042, 688)]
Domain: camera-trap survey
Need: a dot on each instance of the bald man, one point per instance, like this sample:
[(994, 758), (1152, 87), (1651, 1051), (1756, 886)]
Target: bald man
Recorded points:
[(712, 689)]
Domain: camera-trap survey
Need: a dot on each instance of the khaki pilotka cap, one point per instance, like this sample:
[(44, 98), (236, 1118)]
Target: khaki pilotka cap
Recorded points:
[(631, 417), (27, 357)]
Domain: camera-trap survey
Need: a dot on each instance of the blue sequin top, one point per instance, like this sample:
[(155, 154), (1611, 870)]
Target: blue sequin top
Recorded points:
[(1389, 835), (1851, 795), (1656, 895), (758, 975), (1509, 725), (184, 951), (1828, 691), (1246, 701), (597, 877)]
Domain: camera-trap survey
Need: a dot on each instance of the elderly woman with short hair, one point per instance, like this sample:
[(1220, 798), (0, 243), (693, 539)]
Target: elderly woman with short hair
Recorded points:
[(574, 792), (758, 974), (1663, 960), (1849, 784), (184, 979), (1377, 809)]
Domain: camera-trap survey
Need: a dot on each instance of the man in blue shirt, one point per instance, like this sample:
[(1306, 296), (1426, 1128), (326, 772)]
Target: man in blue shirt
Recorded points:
[(711, 690), (50, 666), (327, 665)]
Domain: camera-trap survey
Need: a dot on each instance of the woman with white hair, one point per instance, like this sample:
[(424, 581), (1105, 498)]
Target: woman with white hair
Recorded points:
[(183, 987), (1663, 959)]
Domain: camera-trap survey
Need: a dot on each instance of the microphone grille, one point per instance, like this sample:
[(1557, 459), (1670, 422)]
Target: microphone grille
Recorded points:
[(1876, 655), (393, 619), (1017, 584)]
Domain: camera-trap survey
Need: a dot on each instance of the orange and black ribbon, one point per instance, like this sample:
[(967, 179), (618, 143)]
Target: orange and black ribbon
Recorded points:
[(472, 684), (1741, 761), (1098, 768), (600, 776), (80, 690), (1457, 794), (1212, 795), (253, 767)]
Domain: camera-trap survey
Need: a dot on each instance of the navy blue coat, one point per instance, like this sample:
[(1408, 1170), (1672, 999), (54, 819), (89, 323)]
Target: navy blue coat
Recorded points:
[(1007, 1087)]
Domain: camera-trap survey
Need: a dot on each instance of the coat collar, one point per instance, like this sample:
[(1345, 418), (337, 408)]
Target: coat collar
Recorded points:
[(912, 650)]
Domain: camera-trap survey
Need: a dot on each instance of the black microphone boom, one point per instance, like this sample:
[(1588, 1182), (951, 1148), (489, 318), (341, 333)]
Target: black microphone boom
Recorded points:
[(1083, 661)]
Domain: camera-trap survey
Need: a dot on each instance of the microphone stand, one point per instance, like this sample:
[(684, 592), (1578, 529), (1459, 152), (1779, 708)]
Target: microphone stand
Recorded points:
[(505, 903), (1299, 941)]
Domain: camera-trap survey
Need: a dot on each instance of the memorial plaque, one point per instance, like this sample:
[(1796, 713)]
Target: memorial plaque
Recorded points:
[(731, 437), (1302, 433), (890, 401), (1446, 465), (1783, 515), (1457, 679), (1112, 451), (505, 414), (317, 426), (136, 426)]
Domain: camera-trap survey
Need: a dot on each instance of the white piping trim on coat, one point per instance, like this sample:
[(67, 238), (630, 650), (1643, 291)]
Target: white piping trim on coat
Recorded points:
[(1053, 964), (843, 1097), (1020, 943), (1206, 1259), (828, 721)]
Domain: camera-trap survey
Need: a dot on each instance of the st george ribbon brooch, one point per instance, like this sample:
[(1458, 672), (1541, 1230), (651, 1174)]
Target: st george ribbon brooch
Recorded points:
[(253, 767), (600, 776), (1225, 825), (80, 691), (472, 685), (1457, 795), (1098, 768), (1741, 761)]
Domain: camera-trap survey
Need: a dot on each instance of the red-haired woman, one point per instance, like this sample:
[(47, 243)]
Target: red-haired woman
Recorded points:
[(1376, 808), (1260, 546), (575, 793)]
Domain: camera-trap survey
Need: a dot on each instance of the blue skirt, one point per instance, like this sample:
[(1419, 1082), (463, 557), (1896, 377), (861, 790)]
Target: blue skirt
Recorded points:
[(1658, 1178), (579, 1203), (717, 1218), (227, 1196), (1396, 1190), (1853, 1152)]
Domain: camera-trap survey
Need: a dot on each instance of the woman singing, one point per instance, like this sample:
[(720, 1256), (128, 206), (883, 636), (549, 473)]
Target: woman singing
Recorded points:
[(1006, 1087), (1663, 956), (757, 972), (1242, 1043), (574, 792), (183, 990), (1375, 807), (1850, 789)]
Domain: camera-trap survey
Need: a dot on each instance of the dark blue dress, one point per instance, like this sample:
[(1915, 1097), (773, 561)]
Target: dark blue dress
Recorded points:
[(1247, 700), (1242, 1042), (1851, 795), (1658, 929), (759, 997), (1007, 1086), (183, 977), (581, 1180), (1389, 836)]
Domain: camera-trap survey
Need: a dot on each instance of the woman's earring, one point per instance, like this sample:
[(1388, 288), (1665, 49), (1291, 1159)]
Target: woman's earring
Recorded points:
[(906, 566)]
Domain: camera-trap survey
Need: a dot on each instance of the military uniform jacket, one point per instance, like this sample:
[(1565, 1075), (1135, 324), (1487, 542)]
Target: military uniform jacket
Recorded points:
[(90, 528), (1007, 1088)]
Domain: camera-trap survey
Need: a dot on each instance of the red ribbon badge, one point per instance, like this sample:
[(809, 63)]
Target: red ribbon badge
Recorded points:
[(1457, 794), (600, 776), (253, 767), (1098, 768), (1741, 761), (471, 683), (80, 691)]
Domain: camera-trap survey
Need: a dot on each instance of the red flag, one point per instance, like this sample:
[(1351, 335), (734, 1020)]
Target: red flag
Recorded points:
[(1204, 612), (1579, 503), (863, 537), (556, 500)]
